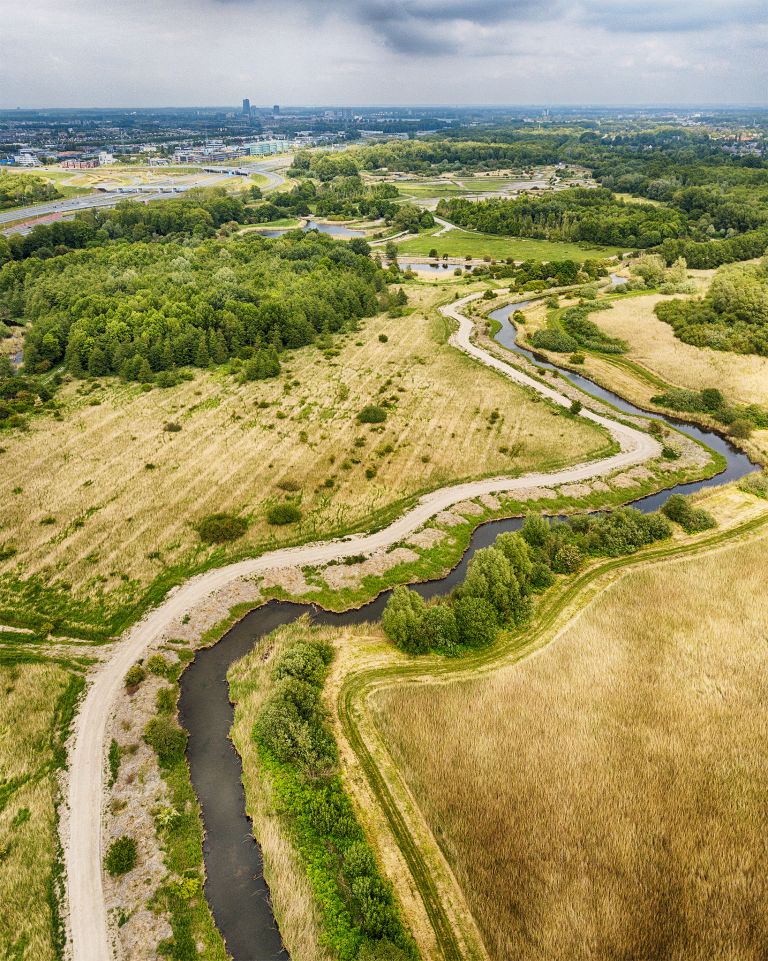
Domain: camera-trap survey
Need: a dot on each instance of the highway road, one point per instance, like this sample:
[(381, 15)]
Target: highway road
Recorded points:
[(69, 207)]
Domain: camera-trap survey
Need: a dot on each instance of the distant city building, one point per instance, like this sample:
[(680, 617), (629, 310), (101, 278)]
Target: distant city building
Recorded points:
[(246, 107), (276, 110), (263, 147), (105, 158), (26, 159), (80, 164)]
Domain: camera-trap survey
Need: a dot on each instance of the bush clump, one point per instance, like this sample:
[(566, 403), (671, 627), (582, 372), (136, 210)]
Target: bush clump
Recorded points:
[(692, 519), (168, 740), (279, 514), (135, 675), (221, 528), (372, 414), (121, 856), (755, 484)]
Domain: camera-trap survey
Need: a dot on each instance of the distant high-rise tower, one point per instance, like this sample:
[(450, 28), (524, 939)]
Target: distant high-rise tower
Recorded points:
[(246, 107), (276, 110)]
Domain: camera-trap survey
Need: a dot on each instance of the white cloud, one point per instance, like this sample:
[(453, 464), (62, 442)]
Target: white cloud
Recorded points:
[(183, 52)]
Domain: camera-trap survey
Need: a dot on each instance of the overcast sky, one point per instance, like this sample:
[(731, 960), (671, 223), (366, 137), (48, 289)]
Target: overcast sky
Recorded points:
[(212, 52)]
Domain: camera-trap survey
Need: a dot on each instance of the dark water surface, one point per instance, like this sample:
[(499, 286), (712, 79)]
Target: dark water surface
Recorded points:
[(234, 887), (336, 230)]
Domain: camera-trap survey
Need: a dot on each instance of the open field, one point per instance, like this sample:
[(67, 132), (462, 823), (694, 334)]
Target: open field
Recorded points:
[(30, 749), (615, 776), (105, 498), (62, 179), (463, 243), (741, 377), (656, 359)]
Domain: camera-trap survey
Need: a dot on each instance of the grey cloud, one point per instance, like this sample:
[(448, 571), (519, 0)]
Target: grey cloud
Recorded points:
[(426, 27), (436, 27)]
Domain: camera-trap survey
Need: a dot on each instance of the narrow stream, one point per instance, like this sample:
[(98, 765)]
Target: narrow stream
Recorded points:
[(235, 887)]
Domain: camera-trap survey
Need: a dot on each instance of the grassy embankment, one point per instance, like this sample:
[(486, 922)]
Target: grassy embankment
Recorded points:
[(740, 516), (631, 747), (39, 698), (99, 505)]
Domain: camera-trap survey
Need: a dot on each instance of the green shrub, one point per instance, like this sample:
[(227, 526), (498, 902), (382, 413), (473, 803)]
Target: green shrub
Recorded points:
[(304, 661), (567, 559), (135, 676), (121, 856), (279, 514), (692, 519), (221, 528), (755, 484), (491, 577), (402, 619), (439, 629), (555, 340), (167, 739), (372, 414), (476, 621), (158, 665), (113, 761), (165, 700)]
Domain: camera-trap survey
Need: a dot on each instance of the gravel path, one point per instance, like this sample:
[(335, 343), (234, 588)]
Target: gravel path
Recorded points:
[(82, 835)]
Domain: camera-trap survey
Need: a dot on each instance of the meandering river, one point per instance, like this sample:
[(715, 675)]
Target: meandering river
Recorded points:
[(235, 887)]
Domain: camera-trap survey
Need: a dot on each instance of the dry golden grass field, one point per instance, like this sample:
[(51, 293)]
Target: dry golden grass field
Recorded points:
[(605, 798), (742, 377), (106, 498), (30, 694)]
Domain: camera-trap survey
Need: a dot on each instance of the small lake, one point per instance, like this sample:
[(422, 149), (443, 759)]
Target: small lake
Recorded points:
[(334, 230)]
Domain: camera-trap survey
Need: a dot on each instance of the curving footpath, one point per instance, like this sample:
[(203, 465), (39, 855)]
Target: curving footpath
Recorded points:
[(88, 926)]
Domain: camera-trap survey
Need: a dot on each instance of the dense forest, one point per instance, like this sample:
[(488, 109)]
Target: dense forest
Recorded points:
[(198, 214), (579, 214), (732, 316), (20, 190), (143, 310)]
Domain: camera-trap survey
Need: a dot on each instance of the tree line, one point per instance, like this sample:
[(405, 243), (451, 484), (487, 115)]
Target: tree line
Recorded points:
[(198, 214), (140, 309), (501, 581), (732, 316), (576, 215)]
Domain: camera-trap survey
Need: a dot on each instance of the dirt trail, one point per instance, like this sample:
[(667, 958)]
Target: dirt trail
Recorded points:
[(82, 842)]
